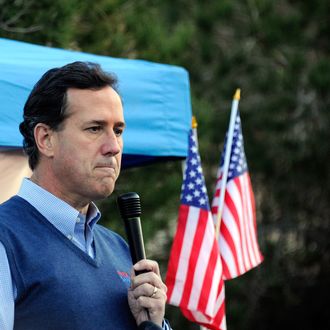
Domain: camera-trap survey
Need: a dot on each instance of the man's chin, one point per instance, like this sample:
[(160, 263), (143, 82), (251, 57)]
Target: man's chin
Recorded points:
[(101, 188), (103, 193)]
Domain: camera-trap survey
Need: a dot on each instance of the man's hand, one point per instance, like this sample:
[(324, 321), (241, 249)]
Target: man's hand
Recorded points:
[(147, 294)]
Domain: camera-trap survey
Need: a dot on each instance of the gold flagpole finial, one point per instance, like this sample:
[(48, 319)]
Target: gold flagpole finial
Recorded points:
[(194, 122), (237, 95)]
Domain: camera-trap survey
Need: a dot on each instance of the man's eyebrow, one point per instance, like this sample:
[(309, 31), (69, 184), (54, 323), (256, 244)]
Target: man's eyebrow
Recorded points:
[(104, 122), (121, 124)]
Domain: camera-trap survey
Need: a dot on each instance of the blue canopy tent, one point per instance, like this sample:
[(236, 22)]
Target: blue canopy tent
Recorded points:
[(156, 98)]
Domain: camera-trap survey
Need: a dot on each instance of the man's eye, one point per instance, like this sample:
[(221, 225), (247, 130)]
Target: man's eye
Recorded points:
[(118, 131), (94, 129)]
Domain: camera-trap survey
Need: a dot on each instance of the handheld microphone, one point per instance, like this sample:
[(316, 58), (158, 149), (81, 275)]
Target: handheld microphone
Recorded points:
[(130, 210)]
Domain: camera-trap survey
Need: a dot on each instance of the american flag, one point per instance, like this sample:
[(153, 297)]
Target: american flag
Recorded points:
[(238, 243), (194, 277)]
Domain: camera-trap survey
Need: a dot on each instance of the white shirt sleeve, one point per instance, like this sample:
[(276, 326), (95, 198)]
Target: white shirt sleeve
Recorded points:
[(7, 293)]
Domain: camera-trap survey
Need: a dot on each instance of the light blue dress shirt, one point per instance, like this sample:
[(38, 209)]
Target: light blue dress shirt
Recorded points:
[(65, 218), (75, 226)]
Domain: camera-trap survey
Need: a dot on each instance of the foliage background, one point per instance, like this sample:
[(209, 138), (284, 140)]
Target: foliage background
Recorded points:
[(277, 52)]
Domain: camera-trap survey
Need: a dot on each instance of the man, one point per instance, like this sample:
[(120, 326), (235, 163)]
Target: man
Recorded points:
[(58, 268)]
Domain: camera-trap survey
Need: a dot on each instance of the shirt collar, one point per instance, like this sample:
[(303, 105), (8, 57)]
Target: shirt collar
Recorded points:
[(59, 213)]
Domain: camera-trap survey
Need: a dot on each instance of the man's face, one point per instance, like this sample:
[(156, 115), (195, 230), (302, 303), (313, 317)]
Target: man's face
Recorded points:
[(88, 148)]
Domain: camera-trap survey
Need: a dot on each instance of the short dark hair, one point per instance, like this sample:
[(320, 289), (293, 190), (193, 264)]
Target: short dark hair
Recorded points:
[(47, 101)]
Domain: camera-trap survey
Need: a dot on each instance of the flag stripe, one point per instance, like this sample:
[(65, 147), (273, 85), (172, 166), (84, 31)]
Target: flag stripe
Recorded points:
[(257, 257), (227, 245), (229, 269), (247, 222), (238, 243), (232, 217), (214, 278), (190, 297), (183, 265), (241, 209), (175, 257), (220, 304), (201, 293)]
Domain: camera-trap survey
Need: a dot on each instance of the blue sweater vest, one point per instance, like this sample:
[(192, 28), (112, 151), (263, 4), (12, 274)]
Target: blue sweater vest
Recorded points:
[(59, 287)]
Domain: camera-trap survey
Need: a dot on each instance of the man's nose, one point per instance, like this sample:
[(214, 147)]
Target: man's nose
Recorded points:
[(111, 145)]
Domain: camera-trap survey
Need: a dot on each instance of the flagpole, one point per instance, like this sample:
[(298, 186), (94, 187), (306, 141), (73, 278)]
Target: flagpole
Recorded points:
[(194, 129), (233, 115)]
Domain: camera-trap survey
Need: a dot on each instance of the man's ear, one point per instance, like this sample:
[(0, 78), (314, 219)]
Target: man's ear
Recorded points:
[(43, 136)]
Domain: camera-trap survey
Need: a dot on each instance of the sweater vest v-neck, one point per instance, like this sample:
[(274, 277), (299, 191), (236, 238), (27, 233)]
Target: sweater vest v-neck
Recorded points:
[(59, 287)]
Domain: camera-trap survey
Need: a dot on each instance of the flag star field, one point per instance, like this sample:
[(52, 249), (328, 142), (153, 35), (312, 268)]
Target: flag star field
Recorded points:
[(193, 188), (238, 164)]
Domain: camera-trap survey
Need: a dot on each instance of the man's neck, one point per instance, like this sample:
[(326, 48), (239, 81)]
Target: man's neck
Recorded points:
[(51, 187)]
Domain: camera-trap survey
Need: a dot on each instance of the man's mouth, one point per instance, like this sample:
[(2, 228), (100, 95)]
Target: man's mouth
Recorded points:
[(109, 169)]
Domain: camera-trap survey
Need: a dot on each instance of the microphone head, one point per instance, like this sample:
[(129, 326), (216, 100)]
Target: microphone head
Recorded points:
[(129, 205)]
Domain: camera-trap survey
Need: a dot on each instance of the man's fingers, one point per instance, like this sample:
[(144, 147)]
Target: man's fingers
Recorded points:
[(148, 278), (145, 289), (149, 291), (147, 265), (153, 305)]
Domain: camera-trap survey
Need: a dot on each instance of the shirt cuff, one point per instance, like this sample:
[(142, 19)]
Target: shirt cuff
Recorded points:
[(148, 325), (166, 325)]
